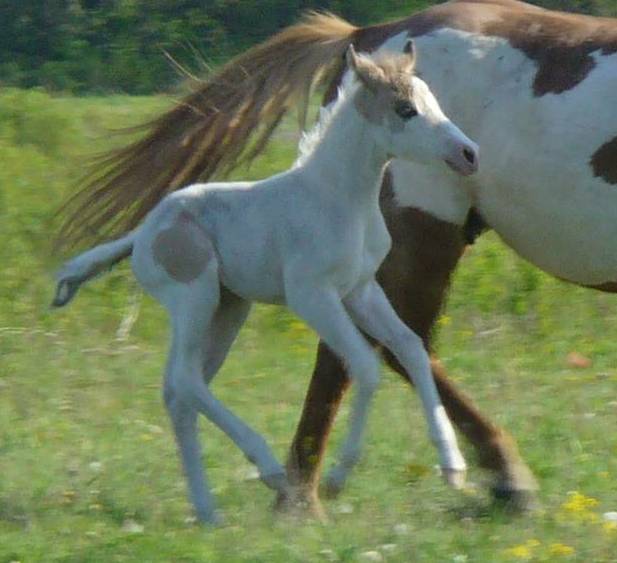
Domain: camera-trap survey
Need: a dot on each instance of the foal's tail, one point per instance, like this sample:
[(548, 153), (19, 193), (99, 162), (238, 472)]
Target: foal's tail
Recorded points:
[(87, 265), (227, 120)]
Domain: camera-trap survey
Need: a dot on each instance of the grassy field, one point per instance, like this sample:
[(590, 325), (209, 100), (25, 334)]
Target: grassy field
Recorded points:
[(88, 470)]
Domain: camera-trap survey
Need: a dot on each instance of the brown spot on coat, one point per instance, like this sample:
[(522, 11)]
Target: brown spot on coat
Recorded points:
[(560, 44), (604, 162), (183, 250)]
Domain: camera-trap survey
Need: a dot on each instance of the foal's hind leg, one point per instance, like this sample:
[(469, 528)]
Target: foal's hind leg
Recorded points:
[(186, 393), (226, 323)]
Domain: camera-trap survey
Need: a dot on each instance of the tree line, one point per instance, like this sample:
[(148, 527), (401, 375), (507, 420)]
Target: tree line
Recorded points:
[(90, 46)]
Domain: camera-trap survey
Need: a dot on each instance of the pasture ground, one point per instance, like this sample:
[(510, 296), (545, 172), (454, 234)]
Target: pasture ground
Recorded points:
[(88, 469)]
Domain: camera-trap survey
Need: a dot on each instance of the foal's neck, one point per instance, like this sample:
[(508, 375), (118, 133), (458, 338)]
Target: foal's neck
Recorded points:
[(347, 162)]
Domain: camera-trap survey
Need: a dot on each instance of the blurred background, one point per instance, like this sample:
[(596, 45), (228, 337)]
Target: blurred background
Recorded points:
[(88, 470), (86, 46)]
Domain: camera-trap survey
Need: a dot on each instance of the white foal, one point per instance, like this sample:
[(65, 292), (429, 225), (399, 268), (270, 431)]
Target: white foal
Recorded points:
[(311, 238)]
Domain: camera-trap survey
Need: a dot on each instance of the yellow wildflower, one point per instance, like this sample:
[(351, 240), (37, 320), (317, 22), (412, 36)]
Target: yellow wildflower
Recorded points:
[(561, 550), (518, 552), (609, 527), (578, 502), (522, 551), (579, 505)]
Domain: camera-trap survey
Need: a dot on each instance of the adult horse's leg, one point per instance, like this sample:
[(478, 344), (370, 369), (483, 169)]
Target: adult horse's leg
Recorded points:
[(328, 385), (415, 276)]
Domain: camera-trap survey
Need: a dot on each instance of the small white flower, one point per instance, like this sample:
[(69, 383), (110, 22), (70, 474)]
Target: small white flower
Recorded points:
[(372, 556), (249, 473), (96, 466), (344, 508), (610, 516), (154, 429), (388, 547), (131, 527), (402, 529), (328, 555)]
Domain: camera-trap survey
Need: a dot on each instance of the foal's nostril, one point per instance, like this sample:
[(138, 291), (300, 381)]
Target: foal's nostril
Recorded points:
[(469, 155)]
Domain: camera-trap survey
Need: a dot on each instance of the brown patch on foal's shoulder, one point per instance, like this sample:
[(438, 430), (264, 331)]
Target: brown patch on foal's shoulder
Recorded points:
[(604, 162), (183, 250)]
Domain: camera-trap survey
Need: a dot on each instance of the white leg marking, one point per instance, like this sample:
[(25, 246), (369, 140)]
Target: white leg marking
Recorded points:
[(372, 311)]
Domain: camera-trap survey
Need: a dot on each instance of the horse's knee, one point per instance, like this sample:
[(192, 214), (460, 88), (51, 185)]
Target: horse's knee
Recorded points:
[(365, 372), (179, 399)]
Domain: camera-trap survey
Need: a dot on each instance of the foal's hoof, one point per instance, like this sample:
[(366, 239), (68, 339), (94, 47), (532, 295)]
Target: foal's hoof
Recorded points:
[(455, 478), (334, 482), (210, 519), (300, 504), (276, 481)]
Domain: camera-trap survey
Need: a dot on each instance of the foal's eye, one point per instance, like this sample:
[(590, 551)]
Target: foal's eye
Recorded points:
[(405, 110)]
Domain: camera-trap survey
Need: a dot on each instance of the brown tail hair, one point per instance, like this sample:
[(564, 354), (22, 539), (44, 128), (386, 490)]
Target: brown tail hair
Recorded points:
[(226, 121)]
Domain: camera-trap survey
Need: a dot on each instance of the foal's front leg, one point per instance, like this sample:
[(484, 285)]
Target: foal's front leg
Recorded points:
[(323, 310), (371, 310)]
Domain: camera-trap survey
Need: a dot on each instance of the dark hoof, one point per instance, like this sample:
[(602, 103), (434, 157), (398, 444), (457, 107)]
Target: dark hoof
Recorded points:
[(334, 483), (519, 501)]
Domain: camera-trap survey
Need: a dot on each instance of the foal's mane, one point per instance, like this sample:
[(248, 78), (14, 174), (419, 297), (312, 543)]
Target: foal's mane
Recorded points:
[(310, 139)]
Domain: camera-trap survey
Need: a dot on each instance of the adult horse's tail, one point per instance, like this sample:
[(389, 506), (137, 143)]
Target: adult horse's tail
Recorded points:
[(227, 120)]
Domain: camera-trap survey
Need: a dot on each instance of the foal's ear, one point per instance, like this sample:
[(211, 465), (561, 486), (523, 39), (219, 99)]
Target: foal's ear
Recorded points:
[(409, 50), (364, 69)]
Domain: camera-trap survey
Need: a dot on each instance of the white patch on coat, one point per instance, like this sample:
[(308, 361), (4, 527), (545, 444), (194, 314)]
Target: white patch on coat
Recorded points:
[(535, 186)]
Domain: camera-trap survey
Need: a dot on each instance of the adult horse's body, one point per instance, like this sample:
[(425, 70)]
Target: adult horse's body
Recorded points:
[(535, 88)]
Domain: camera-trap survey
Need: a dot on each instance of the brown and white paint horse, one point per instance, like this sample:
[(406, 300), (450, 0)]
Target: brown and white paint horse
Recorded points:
[(535, 88)]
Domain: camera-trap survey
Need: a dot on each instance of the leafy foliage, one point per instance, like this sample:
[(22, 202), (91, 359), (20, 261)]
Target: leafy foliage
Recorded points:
[(103, 45)]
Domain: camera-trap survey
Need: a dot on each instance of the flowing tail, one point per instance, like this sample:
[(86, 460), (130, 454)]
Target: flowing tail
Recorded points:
[(226, 121), (89, 264)]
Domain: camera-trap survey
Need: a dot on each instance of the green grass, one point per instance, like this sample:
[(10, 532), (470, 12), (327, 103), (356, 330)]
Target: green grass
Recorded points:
[(85, 444)]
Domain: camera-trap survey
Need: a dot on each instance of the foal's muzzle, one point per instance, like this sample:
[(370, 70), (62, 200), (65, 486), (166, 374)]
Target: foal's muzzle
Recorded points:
[(463, 158)]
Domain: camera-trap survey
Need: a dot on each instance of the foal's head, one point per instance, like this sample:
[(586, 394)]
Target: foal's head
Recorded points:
[(408, 121)]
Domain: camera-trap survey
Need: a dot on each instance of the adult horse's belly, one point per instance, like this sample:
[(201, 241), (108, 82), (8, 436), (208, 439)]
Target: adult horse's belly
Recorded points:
[(547, 203), (567, 228), (548, 185)]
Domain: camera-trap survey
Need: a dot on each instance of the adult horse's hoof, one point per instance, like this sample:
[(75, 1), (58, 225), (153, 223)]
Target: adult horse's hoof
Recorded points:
[(302, 504), (517, 491), (454, 477), (520, 501)]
